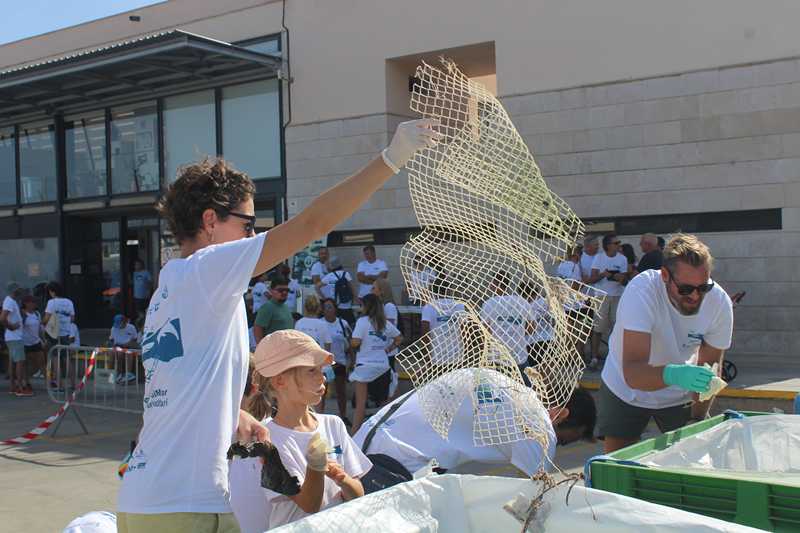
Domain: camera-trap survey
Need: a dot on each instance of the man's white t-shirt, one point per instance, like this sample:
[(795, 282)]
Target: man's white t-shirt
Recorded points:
[(340, 332), (370, 269), (316, 328), (328, 288), (674, 338), (291, 298), (543, 320), (586, 263), (124, 335), (569, 271), (259, 292), (507, 317), (141, 284), (618, 263), (14, 317), (292, 446), (408, 437), (195, 354), (318, 269), (445, 340), (374, 343), (61, 309), (32, 329)]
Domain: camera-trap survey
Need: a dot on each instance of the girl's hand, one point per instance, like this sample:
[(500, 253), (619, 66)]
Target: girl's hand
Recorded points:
[(336, 472)]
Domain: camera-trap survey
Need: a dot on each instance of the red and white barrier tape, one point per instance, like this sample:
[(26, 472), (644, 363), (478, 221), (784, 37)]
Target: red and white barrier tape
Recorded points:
[(41, 428)]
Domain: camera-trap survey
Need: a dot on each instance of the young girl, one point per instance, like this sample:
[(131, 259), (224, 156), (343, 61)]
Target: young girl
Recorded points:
[(314, 447), (32, 336), (375, 338), (383, 290), (315, 327)]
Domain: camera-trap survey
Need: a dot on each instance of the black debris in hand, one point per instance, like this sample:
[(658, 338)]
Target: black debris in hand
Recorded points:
[(274, 475)]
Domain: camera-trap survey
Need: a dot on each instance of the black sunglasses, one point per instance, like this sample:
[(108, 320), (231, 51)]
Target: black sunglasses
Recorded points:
[(685, 289), (250, 227)]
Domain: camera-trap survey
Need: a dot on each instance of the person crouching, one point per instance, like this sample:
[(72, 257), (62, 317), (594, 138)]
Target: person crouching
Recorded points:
[(314, 447)]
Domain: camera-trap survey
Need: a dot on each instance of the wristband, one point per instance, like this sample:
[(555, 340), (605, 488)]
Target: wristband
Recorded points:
[(389, 162)]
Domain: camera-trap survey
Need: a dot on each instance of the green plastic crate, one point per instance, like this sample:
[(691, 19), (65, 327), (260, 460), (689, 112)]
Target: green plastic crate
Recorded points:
[(763, 505)]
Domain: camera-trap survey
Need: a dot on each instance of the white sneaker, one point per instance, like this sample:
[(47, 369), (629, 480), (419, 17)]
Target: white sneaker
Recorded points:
[(128, 377), (38, 375)]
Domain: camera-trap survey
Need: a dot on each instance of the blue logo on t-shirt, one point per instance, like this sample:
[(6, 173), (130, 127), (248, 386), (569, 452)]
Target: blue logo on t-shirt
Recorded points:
[(163, 344), (485, 394), (379, 335)]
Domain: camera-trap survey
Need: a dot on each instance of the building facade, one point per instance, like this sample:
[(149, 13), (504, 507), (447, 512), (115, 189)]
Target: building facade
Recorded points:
[(644, 117)]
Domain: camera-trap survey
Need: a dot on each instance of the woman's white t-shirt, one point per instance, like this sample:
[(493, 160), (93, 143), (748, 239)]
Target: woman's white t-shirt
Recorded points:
[(340, 332), (195, 354), (63, 310), (374, 343), (445, 337), (292, 446), (31, 328), (316, 328)]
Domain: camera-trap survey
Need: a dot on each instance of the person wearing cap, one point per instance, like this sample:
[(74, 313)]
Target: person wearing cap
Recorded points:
[(314, 447), (345, 295), (11, 318), (124, 335), (195, 345)]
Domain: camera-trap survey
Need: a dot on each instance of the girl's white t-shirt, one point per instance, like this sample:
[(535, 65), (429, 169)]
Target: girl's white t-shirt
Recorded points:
[(248, 500), (63, 310), (259, 292), (31, 328), (316, 328), (292, 446), (374, 343), (195, 353)]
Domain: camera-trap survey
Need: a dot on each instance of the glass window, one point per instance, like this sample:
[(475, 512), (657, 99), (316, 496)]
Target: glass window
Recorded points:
[(269, 46), (134, 148), (37, 160), (189, 130), (8, 167), (29, 261), (86, 155), (251, 128)]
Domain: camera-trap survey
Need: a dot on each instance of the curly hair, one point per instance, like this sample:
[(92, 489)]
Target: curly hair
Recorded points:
[(209, 184)]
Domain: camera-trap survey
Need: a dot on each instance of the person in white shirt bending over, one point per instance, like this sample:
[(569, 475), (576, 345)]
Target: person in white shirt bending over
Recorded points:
[(315, 448), (369, 270), (407, 437), (670, 323), (609, 271), (123, 334), (195, 346)]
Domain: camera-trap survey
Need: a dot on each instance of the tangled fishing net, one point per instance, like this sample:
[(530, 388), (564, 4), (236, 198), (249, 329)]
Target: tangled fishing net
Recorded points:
[(489, 227)]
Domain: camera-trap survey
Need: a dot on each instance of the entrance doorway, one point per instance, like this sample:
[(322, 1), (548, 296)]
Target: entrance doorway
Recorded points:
[(101, 254)]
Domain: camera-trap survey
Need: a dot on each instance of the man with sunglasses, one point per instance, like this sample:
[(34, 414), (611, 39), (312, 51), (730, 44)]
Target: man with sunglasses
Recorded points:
[(274, 315), (670, 322)]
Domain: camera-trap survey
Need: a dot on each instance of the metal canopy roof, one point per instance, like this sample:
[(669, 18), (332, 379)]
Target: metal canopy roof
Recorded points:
[(146, 67)]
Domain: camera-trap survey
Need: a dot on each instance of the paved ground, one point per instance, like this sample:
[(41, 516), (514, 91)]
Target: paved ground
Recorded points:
[(73, 473)]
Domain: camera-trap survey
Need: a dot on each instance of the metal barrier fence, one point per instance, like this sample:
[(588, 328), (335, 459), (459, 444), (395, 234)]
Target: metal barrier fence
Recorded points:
[(116, 384)]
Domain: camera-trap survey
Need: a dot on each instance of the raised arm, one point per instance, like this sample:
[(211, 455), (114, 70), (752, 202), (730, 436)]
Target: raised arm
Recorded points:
[(338, 203)]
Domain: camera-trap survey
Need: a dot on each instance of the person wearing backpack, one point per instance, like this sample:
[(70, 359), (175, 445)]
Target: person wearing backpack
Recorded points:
[(343, 292)]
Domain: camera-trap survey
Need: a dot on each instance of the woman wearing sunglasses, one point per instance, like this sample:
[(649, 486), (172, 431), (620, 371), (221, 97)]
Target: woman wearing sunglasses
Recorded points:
[(670, 322), (195, 345)]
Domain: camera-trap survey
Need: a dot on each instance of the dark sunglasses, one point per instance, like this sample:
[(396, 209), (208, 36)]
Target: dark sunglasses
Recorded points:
[(250, 227), (685, 289)]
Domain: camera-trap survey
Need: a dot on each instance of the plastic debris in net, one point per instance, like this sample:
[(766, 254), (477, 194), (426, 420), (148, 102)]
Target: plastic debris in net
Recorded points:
[(490, 225), (716, 385)]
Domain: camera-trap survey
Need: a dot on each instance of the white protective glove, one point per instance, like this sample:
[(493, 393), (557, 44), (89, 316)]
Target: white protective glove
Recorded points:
[(317, 454), (410, 137)]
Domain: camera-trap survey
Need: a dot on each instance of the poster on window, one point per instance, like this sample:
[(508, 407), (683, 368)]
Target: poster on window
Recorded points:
[(305, 259)]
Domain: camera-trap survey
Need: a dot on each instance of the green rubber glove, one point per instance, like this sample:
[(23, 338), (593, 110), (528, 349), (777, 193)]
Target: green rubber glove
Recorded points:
[(688, 377)]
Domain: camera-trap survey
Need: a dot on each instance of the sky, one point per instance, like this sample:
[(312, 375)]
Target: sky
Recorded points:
[(34, 17)]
